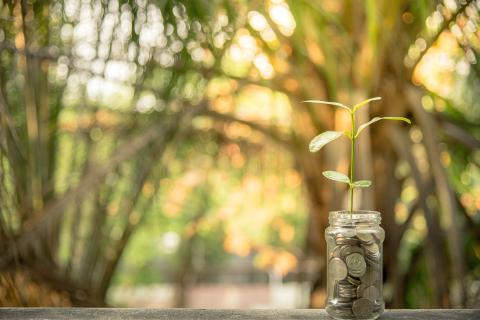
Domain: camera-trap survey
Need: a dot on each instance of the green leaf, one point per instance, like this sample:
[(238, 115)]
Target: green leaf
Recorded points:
[(376, 119), (322, 139), (336, 176), (358, 105), (330, 103), (362, 184)]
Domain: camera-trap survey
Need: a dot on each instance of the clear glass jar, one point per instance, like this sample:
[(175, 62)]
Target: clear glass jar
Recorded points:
[(354, 268)]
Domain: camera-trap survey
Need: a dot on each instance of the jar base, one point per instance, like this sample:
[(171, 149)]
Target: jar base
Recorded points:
[(339, 313)]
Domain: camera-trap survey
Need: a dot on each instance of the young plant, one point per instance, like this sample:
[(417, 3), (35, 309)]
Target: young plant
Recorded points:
[(328, 136)]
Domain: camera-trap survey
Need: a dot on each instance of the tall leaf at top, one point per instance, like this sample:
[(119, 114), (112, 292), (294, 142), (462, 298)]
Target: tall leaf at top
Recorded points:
[(326, 137)]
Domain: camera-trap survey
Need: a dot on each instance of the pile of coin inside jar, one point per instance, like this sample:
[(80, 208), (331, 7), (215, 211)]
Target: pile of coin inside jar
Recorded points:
[(355, 275)]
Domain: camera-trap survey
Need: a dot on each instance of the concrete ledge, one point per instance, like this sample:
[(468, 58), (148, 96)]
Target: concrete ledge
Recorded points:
[(218, 314)]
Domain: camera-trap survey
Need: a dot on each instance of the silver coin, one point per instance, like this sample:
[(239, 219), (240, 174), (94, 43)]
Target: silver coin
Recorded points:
[(343, 302), (362, 307), (380, 236), (365, 237), (362, 228), (371, 293), (348, 294), (342, 240), (360, 289), (337, 269), (372, 248), (346, 290), (336, 252), (373, 257), (374, 265), (349, 233), (374, 280), (356, 264), (353, 280), (347, 250), (370, 278)]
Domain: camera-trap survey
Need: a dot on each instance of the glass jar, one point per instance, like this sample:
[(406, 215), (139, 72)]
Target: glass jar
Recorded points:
[(354, 268)]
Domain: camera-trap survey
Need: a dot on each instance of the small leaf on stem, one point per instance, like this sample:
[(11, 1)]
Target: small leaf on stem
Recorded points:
[(358, 105), (376, 119), (336, 176), (337, 104), (362, 184), (322, 139)]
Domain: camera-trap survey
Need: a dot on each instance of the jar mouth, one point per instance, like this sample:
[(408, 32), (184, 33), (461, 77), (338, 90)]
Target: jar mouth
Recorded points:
[(354, 217)]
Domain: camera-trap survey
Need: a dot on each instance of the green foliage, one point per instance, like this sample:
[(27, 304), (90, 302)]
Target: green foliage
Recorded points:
[(326, 137)]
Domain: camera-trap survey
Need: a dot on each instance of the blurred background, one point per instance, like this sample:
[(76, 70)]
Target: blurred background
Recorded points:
[(155, 153)]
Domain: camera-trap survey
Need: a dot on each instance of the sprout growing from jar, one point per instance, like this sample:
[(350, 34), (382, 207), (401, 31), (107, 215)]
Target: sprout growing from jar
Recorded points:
[(328, 136)]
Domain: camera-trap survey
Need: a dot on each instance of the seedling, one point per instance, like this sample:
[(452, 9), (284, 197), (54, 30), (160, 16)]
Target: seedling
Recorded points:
[(326, 137)]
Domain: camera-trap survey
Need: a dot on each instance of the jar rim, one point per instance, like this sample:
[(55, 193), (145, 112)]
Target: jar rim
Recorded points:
[(355, 212), (355, 216)]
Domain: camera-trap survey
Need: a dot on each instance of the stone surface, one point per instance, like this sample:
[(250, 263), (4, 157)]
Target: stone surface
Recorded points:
[(217, 314)]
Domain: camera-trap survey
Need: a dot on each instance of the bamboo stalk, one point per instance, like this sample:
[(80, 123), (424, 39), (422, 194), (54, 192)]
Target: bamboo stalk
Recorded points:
[(402, 145), (445, 195)]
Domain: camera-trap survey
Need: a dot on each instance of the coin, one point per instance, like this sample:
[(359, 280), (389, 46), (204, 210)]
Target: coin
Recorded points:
[(365, 237), (373, 261), (344, 301), (336, 252), (363, 286), (349, 233), (347, 250), (371, 293), (372, 248), (353, 280), (360, 289), (380, 236), (356, 264), (370, 277), (362, 307), (337, 269), (347, 290), (342, 240), (374, 256)]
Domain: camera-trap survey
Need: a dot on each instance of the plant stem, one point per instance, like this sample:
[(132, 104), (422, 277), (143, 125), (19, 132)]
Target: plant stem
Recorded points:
[(352, 162)]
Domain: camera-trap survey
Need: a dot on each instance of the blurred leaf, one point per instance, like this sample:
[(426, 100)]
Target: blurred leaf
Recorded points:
[(322, 139), (336, 176), (372, 17)]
